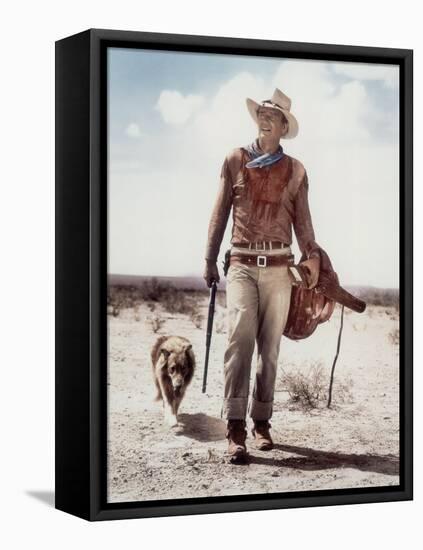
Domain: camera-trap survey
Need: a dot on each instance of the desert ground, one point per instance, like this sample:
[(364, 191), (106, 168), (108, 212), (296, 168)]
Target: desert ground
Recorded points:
[(353, 444)]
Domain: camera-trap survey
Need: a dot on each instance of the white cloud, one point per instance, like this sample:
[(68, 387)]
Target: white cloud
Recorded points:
[(388, 74), (325, 114), (133, 130), (177, 109)]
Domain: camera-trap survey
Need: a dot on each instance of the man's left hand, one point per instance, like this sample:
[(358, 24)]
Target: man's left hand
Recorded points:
[(313, 265)]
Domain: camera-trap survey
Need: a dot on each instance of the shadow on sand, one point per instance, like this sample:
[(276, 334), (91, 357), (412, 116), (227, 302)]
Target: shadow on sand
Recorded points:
[(202, 427), (312, 459)]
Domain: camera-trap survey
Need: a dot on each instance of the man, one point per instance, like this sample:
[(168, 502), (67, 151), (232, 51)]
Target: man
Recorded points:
[(267, 191)]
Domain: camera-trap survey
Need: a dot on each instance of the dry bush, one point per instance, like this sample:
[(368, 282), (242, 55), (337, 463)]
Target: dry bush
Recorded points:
[(197, 319), (137, 316), (385, 297), (156, 323), (130, 296), (309, 389), (153, 292), (177, 302)]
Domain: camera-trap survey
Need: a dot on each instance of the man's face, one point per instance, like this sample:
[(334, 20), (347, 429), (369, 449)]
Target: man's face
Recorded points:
[(271, 123)]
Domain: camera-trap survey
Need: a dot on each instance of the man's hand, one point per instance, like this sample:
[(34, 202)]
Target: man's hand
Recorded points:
[(313, 266), (211, 273)]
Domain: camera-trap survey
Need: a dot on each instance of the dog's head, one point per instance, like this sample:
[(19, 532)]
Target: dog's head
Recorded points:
[(178, 365)]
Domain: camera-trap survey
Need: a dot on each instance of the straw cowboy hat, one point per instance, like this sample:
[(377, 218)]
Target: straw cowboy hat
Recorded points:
[(282, 103)]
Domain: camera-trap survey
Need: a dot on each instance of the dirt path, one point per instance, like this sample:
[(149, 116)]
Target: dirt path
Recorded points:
[(355, 444)]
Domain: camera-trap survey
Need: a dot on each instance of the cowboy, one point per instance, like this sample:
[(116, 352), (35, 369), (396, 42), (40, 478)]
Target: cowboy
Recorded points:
[(267, 191)]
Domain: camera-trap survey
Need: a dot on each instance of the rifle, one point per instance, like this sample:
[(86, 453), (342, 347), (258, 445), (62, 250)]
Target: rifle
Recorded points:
[(209, 331)]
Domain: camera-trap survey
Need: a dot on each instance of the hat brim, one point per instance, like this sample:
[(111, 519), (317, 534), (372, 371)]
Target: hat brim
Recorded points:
[(292, 121)]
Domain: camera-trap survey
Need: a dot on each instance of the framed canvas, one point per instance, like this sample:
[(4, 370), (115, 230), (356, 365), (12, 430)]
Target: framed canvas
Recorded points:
[(285, 383)]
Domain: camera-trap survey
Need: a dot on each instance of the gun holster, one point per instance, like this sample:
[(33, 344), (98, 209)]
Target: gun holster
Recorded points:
[(226, 262)]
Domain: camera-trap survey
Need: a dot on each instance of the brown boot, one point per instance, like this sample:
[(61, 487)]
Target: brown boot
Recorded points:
[(236, 436), (262, 435)]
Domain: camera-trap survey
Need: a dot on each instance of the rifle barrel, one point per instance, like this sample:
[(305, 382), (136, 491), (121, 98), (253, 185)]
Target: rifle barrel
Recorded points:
[(209, 332)]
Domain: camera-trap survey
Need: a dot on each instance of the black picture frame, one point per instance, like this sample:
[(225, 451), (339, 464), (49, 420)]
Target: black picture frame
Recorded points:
[(81, 272)]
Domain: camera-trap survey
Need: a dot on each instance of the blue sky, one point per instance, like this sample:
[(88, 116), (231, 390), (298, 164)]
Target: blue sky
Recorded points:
[(174, 116)]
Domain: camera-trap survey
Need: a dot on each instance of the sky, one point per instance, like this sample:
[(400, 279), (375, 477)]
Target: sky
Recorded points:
[(174, 116)]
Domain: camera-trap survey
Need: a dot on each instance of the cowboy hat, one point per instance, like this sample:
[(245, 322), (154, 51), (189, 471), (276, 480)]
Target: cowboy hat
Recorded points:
[(282, 103)]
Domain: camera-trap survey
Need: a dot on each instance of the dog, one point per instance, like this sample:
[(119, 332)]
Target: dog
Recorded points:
[(173, 368)]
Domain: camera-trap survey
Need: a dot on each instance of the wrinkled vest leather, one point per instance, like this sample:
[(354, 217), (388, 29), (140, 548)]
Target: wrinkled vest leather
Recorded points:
[(261, 202)]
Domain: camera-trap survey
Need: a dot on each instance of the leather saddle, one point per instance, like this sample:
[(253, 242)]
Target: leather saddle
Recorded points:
[(311, 307)]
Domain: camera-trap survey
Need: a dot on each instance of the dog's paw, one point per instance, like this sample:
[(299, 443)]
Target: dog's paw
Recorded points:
[(171, 420)]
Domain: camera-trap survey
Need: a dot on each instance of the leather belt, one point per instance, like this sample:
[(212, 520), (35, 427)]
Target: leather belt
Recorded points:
[(262, 245), (262, 261)]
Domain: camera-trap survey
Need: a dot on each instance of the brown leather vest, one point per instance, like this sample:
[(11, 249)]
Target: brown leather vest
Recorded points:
[(262, 204)]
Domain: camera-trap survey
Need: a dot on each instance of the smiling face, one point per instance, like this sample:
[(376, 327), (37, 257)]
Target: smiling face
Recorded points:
[(272, 125)]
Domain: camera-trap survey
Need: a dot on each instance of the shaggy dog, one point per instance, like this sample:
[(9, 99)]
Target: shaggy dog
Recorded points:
[(173, 369)]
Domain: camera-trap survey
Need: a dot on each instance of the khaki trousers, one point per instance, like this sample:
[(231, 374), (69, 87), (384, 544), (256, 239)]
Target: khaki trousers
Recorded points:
[(258, 300)]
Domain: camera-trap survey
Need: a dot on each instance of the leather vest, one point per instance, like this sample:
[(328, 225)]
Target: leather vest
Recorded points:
[(262, 204)]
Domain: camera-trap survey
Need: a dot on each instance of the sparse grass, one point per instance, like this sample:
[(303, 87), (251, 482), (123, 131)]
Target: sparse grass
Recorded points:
[(305, 389), (156, 323), (308, 386), (137, 316), (179, 302), (153, 292), (197, 319), (385, 297)]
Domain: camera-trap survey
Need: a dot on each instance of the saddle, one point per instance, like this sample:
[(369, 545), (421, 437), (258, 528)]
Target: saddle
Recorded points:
[(311, 307)]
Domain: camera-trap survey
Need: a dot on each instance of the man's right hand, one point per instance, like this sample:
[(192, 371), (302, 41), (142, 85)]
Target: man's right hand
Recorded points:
[(211, 273)]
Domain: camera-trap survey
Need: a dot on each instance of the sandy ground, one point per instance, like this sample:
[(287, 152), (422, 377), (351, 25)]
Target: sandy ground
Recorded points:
[(353, 444)]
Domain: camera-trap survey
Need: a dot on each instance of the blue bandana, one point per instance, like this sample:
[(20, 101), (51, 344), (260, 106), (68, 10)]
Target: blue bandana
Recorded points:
[(260, 159)]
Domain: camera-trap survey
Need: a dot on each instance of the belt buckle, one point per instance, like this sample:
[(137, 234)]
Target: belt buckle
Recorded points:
[(261, 261)]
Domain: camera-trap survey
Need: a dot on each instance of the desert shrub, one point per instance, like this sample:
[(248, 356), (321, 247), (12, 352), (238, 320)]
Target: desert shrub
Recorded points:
[(156, 323), (129, 296), (385, 297), (307, 389), (137, 316), (179, 302), (197, 319), (154, 292)]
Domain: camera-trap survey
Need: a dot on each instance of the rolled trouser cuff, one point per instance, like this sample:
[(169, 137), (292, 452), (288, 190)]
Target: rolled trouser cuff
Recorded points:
[(260, 410), (234, 408)]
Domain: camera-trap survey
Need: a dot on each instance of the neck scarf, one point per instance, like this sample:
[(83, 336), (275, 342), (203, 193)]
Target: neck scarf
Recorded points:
[(260, 159)]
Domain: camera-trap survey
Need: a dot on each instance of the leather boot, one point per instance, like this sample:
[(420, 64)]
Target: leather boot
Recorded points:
[(236, 435), (262, 437)]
